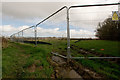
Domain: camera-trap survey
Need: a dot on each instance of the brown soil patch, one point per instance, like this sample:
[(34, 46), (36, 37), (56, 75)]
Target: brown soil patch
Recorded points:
[(40, 67), (26, 56), (32, 68), (70, 68), (84, 72)]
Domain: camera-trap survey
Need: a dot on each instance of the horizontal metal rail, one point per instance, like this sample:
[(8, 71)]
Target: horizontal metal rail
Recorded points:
[(42, 20), (85, 57), (23, 30), (95, 57), (28, 27), (69, 8), (94, 5), (59, 55), (52, 15), (68, 37)]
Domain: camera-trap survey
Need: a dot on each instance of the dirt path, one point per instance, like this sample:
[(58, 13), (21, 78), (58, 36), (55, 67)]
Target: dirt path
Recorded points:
[(70, 70), (61, 68)]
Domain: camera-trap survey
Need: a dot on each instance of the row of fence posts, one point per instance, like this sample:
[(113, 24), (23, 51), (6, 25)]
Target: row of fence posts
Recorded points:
[(68, 30)]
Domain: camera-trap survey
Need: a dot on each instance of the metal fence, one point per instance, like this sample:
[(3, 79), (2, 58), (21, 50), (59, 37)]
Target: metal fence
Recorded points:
[(85, 19), (39, 31), (50, 30)]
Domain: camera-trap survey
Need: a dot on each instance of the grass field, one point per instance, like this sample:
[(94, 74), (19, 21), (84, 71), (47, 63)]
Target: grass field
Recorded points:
[(110, 47), (25, 60), (107, 68)]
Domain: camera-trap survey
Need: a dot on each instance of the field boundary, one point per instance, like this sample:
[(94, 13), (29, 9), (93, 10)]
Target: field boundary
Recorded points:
[(68, 30)]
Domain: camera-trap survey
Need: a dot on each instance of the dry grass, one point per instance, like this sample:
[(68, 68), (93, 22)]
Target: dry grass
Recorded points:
[(4, 42)]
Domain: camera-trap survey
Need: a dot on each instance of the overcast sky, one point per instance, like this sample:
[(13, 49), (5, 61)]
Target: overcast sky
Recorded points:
[(83, 21)]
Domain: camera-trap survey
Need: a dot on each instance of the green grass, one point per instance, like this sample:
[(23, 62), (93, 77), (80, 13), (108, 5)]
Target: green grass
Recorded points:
[(106, 68), (110, 47), (17, 58), (110, 70)]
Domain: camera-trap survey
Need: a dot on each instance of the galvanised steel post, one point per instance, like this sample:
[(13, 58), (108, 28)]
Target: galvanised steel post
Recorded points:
[(18, 36), (11, 38), (15, 38), (68, 32), (35, 27), (22, 35), (68, 37)]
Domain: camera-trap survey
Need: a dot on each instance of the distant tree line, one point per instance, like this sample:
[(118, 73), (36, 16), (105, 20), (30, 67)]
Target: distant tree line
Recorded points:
[(108, 30)]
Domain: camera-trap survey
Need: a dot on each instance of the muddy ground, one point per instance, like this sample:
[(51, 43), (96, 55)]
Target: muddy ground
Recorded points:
[(71, 70), (85, 52)]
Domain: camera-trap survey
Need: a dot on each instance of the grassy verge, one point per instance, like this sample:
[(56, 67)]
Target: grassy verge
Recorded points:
[(110, 47), (26, 61), (106, 68)]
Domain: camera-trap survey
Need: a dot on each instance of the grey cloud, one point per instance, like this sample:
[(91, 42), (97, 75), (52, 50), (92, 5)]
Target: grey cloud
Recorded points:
[(40, 9), (30, 9), (27, 11)]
